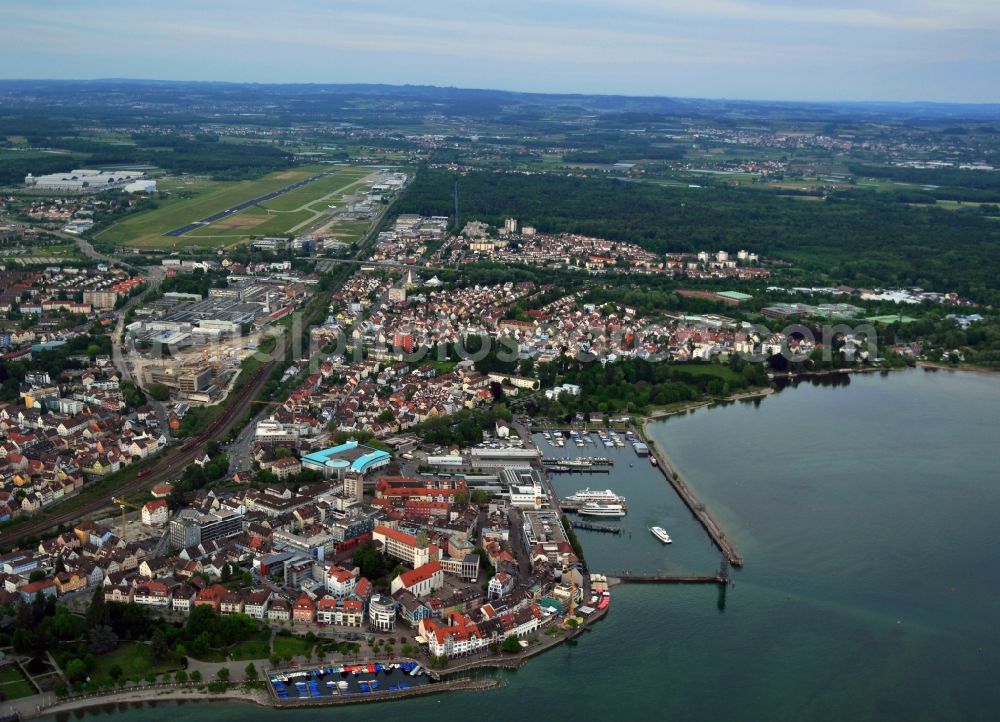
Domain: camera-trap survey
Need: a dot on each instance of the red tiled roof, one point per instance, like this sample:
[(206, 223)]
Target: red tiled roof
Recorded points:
[(420, 574)]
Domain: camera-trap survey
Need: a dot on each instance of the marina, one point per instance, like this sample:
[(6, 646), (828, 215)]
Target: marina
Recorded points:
[(648, 501), (339, 681)]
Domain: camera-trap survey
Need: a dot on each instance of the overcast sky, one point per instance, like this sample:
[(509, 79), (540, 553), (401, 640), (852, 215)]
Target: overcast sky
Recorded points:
[(946, 50)]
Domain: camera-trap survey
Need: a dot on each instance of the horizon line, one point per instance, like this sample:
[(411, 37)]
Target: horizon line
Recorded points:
[(512, 92)]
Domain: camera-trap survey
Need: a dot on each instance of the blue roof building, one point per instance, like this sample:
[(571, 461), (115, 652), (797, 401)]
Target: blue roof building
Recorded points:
[(350, 456)]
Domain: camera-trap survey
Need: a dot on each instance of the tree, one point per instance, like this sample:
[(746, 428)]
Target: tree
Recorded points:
[(160, 648), (250, 672), (223, 674), (76, 670), (181, 676), (115, 671), (97, 613), (480, 497), (102, 639), (511, 645), (196, 676), (160, 392)]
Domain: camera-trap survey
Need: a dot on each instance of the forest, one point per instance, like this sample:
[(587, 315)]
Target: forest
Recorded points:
[(200, 154)]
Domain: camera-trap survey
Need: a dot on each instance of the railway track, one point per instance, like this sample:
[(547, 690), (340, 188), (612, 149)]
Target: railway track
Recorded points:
[(168, 465), (172, 462)]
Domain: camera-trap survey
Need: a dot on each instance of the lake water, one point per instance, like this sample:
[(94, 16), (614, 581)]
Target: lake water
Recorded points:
[(867, 516)]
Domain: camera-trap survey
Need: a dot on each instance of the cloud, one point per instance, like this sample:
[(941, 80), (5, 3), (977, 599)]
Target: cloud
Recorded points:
[(703, 47)]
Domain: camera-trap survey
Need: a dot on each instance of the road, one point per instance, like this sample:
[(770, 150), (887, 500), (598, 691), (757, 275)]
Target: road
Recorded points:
[(379, 264), (244, 205), (171, 461), (169, 465)]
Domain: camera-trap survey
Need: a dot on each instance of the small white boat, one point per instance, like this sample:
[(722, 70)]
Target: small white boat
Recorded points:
[(660, 533)]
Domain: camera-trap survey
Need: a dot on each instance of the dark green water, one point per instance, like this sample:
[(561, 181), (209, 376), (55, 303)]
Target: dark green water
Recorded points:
[(867, 514)]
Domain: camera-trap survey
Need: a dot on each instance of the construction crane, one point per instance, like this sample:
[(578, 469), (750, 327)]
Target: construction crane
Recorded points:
[(216, 364), (123, 504)]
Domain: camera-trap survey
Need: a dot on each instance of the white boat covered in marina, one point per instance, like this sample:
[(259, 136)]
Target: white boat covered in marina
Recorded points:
[(599, 496), (594, 508)]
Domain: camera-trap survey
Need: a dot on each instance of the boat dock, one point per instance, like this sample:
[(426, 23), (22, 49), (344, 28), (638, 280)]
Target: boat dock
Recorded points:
[(580, 462), (697, 508), (596, 527), (667, 579), (560, 469)]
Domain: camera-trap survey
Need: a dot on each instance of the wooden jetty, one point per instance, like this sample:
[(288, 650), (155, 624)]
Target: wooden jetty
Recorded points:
[(586, 525), (583, 462), (671, 579)]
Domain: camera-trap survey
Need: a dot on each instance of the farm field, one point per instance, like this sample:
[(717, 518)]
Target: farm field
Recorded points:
[(190, 199)]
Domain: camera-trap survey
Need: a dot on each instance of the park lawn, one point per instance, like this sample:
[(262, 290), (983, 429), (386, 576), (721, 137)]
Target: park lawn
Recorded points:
[(290, 646), (721, 372), (11, 674), (250, 649), (146, 229), (135, 659), (14, 685), (213, 656), (17, 689)]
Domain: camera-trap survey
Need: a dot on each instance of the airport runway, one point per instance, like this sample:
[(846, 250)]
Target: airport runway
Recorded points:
[(244, 205)]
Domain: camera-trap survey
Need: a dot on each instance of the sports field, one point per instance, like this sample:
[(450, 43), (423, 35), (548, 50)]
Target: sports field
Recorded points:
[(192, 199)]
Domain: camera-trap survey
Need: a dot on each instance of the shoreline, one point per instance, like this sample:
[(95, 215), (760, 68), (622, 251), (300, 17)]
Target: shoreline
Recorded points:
[(685, 407), (972, 369), (261, 698), (152, 696)]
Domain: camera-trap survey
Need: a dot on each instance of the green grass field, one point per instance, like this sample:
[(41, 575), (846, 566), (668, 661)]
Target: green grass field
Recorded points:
[(14, 685), (718, 371), (314, 192), (891, 318), (189, 200), (250, 649), (290, 646), (192, 199), (135, 660)]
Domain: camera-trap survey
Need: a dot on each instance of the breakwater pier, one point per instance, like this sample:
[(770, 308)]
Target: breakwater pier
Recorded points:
[(697, 508)]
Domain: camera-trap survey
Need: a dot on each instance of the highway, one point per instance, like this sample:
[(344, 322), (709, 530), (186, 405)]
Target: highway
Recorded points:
[(243, 206)]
